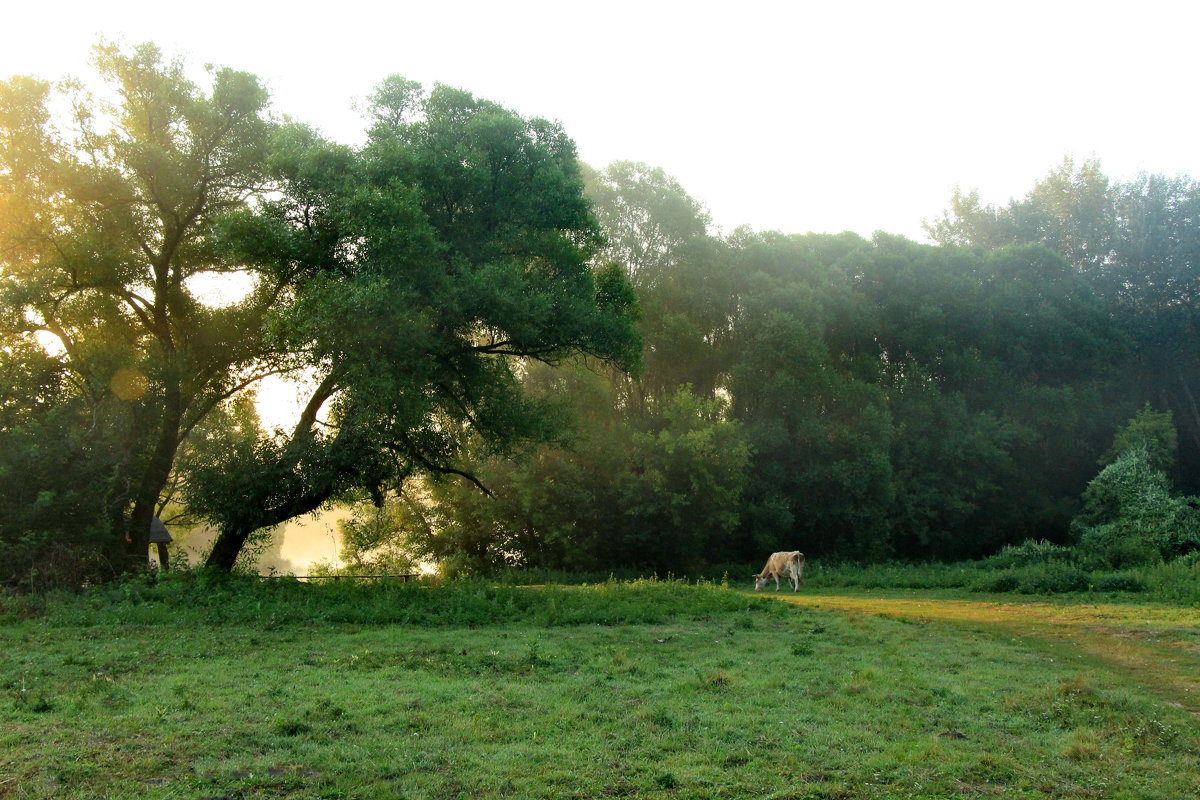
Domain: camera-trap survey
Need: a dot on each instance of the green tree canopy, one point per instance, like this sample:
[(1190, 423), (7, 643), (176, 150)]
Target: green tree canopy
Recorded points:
[(430, 267), (414, 277), (1137, 243), (108, 219), (1150, 432)]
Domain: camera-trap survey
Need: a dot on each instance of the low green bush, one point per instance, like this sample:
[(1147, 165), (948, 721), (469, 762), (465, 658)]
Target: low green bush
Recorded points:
[(1057, 577), (1131, 517), (1118, 582), (1116, 546), (1053, 578), (1177, 581), (1031, 551), (999, 581)]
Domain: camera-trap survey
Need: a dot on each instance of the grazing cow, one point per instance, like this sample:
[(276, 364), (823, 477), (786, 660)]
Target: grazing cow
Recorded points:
[(790, 564)]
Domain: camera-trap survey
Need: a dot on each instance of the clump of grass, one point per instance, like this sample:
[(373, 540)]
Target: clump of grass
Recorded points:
[(660, 718), (289, 726), (717, 680), (993, 768), (802, 648), (666, 780), (1076, 687), (1083, 745)]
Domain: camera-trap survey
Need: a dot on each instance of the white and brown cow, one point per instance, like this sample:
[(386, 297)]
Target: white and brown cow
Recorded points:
[(789, 564)]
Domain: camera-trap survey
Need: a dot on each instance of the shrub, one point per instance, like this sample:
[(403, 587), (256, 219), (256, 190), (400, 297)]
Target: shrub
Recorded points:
[(1118, 545), (1006, 581), (1118, 582), (1049, 578), (1053, 578), (1030, 551), (1131, 518), (1176, 582)]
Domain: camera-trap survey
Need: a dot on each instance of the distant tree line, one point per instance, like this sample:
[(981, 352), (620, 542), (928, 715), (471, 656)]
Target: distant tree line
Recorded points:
[(513, 359), (859, 398)]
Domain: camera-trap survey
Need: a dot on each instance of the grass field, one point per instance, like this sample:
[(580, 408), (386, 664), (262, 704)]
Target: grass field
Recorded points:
[(646, 689)]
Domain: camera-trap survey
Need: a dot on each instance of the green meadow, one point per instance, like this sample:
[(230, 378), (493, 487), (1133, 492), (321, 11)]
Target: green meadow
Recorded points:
[(203, 687)]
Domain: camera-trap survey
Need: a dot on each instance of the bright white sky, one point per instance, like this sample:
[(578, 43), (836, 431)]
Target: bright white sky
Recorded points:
[(794, 116)]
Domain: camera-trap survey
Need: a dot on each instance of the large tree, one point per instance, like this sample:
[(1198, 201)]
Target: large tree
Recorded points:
[(430, 267), (106, 222), (686, 295)]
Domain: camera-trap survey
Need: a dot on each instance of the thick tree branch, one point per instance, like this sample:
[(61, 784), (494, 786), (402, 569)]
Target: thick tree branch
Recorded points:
[(308, 417), (412, 452)]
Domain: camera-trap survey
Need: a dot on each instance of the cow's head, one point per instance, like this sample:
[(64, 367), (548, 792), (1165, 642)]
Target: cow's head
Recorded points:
[(759, 582)]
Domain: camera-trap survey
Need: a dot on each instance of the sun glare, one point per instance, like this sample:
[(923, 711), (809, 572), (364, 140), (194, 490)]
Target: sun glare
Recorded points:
[(50, 343), (220, 289), (280, 400)]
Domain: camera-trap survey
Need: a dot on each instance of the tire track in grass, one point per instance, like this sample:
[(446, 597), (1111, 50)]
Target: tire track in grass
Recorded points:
[(1156, 647)]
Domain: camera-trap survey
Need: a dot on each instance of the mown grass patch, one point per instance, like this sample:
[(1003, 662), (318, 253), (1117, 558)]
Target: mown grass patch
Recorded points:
[(702, 701)]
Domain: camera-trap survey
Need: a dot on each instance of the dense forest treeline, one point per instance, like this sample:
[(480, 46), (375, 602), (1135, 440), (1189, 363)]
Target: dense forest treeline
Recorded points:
[(850, 397), (462, 294)]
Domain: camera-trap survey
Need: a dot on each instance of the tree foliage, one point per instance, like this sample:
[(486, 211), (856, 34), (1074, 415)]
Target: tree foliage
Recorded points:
[(429, 267), (413, 276), (1137, 243), (658, 491), (107, 220)]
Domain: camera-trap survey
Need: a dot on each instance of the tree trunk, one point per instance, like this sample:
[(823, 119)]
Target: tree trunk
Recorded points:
[(228, 545), (233, 535), (154, 479)]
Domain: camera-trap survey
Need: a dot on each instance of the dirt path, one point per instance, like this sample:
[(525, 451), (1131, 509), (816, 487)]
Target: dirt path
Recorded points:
[(1155, 646)]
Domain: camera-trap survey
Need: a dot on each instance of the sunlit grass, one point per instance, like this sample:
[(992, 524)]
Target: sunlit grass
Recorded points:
[(1158, 644)]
